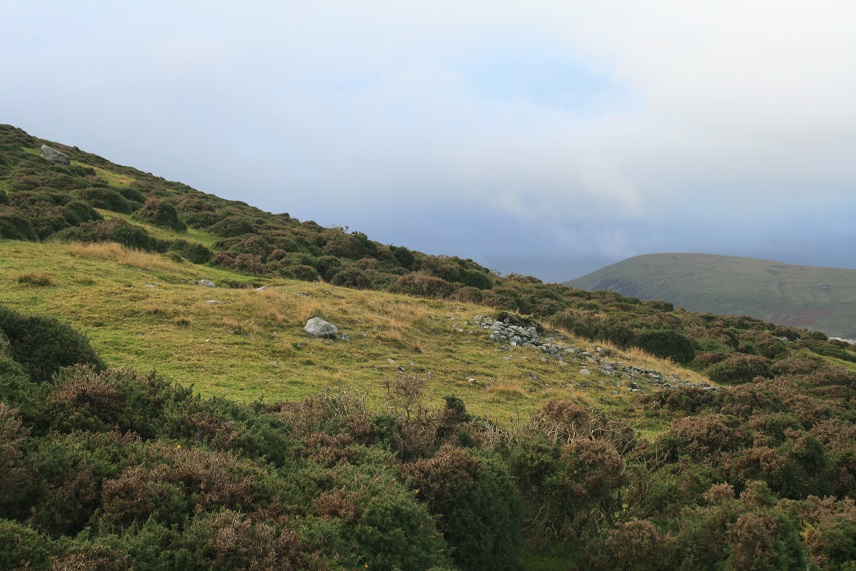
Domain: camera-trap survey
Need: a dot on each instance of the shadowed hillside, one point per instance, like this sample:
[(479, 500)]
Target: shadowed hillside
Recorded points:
[(823, 299)]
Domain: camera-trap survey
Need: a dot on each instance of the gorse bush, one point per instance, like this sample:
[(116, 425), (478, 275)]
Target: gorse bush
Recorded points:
[(479, 509), (44, 344)]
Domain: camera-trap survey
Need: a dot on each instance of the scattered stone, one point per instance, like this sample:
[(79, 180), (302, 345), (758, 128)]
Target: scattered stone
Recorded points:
[(508, 335), (262, 288), (54, 156), (205, 283), (150, 285), (317, 327), (212, 302), (345, 337)]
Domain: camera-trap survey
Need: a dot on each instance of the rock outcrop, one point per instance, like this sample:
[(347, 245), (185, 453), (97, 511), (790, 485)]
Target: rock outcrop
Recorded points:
[(54, 156), (317, 327), (555, 345)]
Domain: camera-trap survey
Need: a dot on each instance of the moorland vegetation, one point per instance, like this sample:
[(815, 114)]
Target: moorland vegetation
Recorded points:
[(105, 468)]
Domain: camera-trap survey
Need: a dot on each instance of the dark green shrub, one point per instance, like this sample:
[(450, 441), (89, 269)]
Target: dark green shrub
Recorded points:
[(161, 213), (363, 518), (14, 226), (633, 545), (4, 198), (479, 509), (666, 344), (422, 284), (22, 547), (13, 472), (403, 256), (77, 212), (108, 199), (476, 279), (351, 277), (132, 194), (327, 266), (302, 272), (44, 344), (115, 230), (740, 369), (192, 251), (234, 540), (232, 226)]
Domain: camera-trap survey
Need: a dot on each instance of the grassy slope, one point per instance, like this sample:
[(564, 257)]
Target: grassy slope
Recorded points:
[(251, 344), (823, 299)]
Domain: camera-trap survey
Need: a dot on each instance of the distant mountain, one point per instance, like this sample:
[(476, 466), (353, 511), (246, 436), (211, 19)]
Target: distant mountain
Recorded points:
[(823, 299)]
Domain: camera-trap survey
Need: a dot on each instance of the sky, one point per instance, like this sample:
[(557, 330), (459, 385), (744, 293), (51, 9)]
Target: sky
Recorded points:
[(545, 137)]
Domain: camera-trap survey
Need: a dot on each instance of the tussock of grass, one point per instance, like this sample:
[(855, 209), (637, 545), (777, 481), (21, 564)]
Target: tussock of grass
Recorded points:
[(36, 279), (113, 252)]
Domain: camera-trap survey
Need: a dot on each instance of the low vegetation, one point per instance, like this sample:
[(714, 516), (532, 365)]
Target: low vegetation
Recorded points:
[(147, 421)]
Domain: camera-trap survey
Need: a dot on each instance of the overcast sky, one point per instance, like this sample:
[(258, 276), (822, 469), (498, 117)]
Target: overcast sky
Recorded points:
[(541, 137)]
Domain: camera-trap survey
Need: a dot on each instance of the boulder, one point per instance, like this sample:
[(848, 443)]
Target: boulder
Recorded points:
[(317, 327), (54, 156), (205, 283)]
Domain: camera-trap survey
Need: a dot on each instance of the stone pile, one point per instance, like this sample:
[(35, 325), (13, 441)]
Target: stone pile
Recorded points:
[(556, 345)]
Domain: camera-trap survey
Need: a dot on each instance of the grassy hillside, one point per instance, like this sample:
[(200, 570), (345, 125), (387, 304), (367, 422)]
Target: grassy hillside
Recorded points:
[(823, 299), (468, 421), (143, 310)]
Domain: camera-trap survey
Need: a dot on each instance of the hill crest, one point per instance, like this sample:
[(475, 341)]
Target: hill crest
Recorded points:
[(819, 298)]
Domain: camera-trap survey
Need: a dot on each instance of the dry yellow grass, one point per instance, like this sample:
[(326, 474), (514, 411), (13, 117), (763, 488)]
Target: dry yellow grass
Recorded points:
[(119, 254)]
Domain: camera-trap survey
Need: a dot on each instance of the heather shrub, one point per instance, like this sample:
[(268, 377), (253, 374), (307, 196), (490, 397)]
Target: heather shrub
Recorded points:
[(478, 507), (161, 213), (703, 436), (193, 252), (115, 230), (666, 344), (740, 369), (13, 471), (476, 279), (77, 212), (633, 545), (43, 344), (234, 540), (14, 226), (231, 226), (764, 540), (422, 284), (351, 277), (108, 199), (302, 272), (403, 256)]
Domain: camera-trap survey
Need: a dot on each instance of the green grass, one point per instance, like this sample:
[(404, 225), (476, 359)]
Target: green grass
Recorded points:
[(192, 235), (143, 311)]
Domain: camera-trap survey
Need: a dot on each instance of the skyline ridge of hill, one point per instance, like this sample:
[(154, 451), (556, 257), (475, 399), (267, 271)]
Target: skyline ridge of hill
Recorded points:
[(819, 298)]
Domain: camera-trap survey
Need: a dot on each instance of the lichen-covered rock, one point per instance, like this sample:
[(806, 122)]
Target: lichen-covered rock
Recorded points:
[(54, 156), (317, 327)]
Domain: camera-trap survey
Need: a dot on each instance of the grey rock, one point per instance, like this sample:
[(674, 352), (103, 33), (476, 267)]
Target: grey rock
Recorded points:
[(205, 283), (54, 156), (317, 327)]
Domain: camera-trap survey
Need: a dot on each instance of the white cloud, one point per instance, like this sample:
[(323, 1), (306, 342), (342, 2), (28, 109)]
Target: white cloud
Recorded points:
[(587, 120)]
